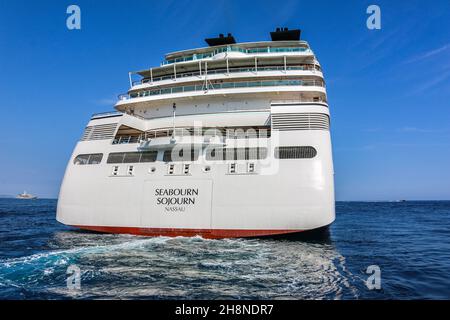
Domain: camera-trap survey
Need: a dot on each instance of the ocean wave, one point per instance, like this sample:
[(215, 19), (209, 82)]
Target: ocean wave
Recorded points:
[(247, 268)]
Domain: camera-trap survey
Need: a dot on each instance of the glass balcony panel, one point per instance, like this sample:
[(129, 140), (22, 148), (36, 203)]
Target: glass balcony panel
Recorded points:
[(228, 85), (235, 49)]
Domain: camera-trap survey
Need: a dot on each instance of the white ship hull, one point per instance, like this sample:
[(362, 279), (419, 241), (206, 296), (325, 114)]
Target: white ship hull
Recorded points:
[(243, 197), (298, 195)]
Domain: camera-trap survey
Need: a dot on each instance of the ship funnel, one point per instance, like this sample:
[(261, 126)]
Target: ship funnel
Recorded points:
[(220, 40), (284, 34)]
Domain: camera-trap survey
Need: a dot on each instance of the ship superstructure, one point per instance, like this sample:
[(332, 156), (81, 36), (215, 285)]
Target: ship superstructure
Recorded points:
[(230, 140)]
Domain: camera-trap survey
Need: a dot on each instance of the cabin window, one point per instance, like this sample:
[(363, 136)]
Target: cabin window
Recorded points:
[(81, 159), (217, 154), (187, 154), (232, 168), (306, 152), (132, 157), (115, 157), (230, 154), (115, 170), (214, 154), (94, 158), (130, 170), (240, 153), (149, 156)]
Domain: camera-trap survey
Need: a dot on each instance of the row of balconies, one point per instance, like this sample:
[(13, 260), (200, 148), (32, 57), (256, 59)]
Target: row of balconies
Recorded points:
[(207, 86), (260, 50), (223, 71), (179, 133)]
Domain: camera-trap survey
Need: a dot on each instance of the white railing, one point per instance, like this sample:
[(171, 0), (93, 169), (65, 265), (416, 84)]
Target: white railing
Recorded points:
[(227, 71), (210, 54), (106, 114), (224, 85), (242, 133)]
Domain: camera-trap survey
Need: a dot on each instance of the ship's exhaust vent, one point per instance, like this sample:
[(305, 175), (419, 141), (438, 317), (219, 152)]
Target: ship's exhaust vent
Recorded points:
[(300, 121), (220, 40), (284, 34), (99, 132)]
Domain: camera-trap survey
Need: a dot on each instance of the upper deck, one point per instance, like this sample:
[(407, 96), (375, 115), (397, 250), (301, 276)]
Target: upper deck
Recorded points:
[(284, 65), (246, 48)]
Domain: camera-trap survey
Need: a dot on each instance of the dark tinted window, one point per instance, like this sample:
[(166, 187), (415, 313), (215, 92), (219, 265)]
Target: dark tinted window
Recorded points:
[(81, 159), (132, 157), (149, 156), (94, 158), (116, 157), (306, 152), (183, 154), (215, 154)]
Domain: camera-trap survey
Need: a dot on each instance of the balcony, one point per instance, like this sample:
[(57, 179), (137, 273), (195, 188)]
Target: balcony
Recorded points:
[(164, 138), (218, 86), (228, 71), (205, 55), (108, 114)]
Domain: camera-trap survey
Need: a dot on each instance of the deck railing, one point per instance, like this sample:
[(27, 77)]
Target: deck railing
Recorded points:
[(106, 114), (194, 132), (230, 70), (205, 55), (223, 85)]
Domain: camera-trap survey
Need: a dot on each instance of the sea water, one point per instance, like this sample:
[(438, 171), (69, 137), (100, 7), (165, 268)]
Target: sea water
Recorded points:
[(407, 242)]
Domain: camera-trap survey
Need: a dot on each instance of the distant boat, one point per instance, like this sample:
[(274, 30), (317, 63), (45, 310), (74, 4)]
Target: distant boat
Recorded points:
[(26, 195)]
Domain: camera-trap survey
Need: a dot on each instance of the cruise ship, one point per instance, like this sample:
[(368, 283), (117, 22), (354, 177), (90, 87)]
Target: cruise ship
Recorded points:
[(228, 140)]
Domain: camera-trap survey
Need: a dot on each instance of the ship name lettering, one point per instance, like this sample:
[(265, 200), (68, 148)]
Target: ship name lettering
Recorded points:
[(177, 192), (173, 201)]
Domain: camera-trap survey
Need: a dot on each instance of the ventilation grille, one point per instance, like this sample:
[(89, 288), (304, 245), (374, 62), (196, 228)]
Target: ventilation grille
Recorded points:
[(86, 134), (294, 152), (99, 132), (300, 121)]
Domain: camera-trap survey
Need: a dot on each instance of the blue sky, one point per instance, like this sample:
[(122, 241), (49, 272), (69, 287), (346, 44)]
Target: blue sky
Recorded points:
[(389, 89)]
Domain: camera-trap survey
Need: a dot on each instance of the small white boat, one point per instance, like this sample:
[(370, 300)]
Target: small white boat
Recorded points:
[(26, 195)]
